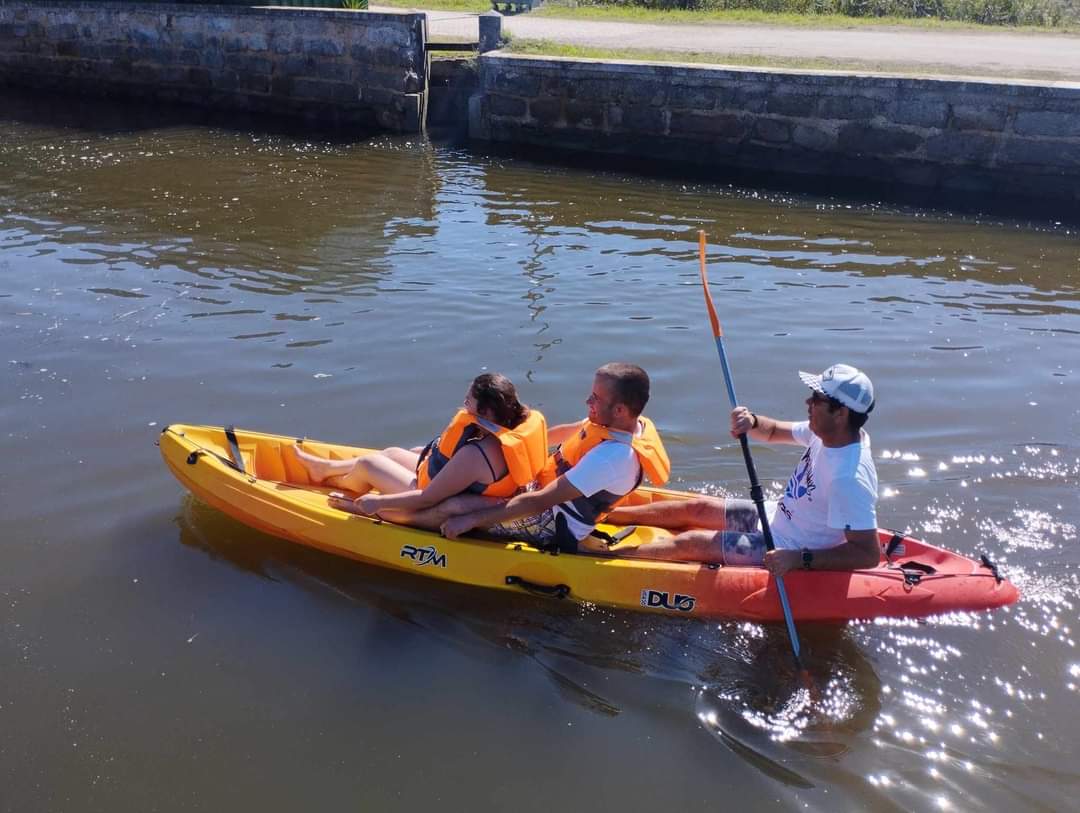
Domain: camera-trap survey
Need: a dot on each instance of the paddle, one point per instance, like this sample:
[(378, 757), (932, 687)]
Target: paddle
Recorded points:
[(756, 493)]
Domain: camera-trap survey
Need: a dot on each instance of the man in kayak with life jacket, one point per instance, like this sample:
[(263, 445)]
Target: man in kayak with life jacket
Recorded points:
[(598, 461), (826, 519), (494, 446)]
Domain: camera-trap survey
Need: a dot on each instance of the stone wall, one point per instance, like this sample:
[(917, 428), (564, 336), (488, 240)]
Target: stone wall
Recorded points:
[(1013, 139), (345, 66)]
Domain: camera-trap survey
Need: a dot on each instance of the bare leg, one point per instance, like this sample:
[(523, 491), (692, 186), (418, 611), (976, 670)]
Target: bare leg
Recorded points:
[(675, 515), (433, 518), (319, 468), (689, 546), (404, 457), (375, 471)]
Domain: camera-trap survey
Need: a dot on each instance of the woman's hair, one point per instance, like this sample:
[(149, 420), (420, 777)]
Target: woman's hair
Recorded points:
[(495, 393)]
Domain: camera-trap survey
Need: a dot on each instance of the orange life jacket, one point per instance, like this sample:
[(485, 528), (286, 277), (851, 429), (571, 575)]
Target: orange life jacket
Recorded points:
[(647, 446), (524, 448)]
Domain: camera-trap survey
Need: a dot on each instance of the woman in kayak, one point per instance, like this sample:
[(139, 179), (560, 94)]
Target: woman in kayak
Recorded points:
[(494, 446)]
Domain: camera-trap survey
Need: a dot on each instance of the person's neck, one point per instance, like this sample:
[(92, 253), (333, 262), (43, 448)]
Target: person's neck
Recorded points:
[(630, 425), (839, 438)]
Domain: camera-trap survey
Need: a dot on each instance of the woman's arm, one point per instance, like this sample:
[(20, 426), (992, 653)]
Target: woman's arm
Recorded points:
[(466, 467), (521, 505)]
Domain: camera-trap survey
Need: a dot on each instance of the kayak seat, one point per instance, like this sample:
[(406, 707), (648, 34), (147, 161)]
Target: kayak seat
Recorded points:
[(267, 462)]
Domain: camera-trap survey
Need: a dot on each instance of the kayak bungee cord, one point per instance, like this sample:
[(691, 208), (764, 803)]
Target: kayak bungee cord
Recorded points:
[(756, 493)]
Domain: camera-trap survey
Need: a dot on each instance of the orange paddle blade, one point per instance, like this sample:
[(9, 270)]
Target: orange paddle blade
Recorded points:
[(717, 332)]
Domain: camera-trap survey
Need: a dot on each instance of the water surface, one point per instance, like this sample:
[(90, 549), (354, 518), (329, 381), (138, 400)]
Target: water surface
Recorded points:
[(156, 655)]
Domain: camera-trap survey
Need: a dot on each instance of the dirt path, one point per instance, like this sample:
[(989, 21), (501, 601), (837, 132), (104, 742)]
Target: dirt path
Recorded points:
[(1053, 57)]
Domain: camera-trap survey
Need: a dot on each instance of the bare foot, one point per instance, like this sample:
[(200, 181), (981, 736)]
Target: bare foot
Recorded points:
[(318, 468)]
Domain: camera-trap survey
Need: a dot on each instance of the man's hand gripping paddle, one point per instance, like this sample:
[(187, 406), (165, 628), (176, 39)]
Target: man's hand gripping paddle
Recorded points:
[(756, 493)]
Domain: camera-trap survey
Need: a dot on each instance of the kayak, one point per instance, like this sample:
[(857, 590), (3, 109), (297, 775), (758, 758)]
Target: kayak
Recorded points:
[(254, 478)]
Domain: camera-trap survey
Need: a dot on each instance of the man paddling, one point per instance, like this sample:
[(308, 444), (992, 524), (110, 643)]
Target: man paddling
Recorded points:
[(826, 519)]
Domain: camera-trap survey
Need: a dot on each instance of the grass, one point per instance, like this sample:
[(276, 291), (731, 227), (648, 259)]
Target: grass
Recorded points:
[(549, 48), (571, 9), (637, 14), (469, 6)]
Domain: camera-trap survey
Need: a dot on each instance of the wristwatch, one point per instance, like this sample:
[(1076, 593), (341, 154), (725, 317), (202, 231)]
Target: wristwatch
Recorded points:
[(807, 558)]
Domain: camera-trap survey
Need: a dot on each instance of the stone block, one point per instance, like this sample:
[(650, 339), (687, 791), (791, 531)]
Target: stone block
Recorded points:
[(281, 86), (967, 117), (212, 58), (719, 125), (192, 39), (69, 48), (748, 97), (283, 44), (961, 148), (545, 110), (224, 80), (816, 139), (640, 93), (375, 97), (692, 97), (324, 47), (362, 52), (584, 114), (1047, 123), (256, 41), (773, 130), (63, 31), (514, 82), (395, 80), (595, 90), (145, 36), (849, 107), (867, 139), (174, 74), (799, 105), (247, 63), (638, 118), (1046, 153), (920, 113), (322, 91), (334, 70), (221, 24), (255, 83)]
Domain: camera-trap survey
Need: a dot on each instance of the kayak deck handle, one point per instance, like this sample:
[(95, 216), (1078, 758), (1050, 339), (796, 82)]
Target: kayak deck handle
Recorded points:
[(548, 591)]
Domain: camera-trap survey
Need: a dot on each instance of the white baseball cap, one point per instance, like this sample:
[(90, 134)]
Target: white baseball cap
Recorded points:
[(844, 383)]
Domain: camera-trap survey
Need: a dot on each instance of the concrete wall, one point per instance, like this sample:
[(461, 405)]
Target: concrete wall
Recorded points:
[(1014, 139), (346, 66)]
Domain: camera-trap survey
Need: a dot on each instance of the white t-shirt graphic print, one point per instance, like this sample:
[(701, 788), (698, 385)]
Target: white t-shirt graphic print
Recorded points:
[(831, 489)]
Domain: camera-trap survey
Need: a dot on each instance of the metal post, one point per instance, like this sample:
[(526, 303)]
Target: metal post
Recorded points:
[(490, 31)]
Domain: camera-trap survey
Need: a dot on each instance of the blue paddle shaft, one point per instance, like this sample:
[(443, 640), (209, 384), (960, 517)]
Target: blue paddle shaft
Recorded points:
[(759, 501)]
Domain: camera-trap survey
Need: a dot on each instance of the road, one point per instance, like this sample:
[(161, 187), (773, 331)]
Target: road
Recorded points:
[(1050, 56)]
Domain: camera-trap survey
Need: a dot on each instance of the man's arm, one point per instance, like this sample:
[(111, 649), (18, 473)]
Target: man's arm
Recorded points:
[(859, 551), (561, 432), (523, 505), (768, 430)]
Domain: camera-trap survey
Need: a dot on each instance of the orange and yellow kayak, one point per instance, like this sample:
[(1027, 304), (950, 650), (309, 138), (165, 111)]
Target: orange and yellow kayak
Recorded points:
[(271, 492)]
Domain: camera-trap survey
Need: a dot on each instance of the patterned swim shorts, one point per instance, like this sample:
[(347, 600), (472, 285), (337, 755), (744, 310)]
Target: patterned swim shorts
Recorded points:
[(538, 530), (742, 542)]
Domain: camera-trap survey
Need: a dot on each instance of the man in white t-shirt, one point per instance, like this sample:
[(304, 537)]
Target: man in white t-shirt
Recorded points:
[(564, 512), (826, 519)]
